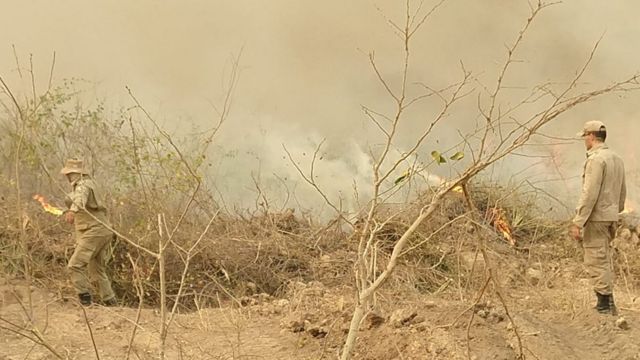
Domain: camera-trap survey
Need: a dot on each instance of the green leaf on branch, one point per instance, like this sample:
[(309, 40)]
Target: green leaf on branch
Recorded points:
[(457, 156), (437, 156), (402, 177)]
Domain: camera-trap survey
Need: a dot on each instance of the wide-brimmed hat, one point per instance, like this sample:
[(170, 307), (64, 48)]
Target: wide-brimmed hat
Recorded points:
[(591, 127), (73, 166)]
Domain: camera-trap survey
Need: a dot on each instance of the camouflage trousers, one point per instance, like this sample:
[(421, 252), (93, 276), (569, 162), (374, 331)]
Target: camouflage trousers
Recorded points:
[(91, 255), (597, 254)]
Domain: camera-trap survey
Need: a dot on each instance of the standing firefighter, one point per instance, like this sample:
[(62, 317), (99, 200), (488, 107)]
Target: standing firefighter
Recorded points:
[(87, 212), (603, 197)]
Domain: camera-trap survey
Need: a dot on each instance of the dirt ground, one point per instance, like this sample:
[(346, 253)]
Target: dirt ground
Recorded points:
[(553, 322)]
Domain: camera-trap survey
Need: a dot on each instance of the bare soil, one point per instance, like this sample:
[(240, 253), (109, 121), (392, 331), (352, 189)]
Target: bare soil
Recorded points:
[(548, 314), (554, 321)]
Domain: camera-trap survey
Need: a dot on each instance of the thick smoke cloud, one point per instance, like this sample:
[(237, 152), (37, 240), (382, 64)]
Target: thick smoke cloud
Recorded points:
[(305, 74)]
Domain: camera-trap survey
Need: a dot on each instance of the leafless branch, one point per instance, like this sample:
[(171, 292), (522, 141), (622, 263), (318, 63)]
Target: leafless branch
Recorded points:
[(310, 179), (93, 340)]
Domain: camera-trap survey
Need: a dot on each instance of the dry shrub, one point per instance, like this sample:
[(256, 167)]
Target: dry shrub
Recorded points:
[(626, 253), (526, 209), (48, 243), (444, 249), (238, 257)]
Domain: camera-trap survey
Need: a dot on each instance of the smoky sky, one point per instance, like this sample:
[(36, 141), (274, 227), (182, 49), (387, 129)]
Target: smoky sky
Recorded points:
[(305, 72)]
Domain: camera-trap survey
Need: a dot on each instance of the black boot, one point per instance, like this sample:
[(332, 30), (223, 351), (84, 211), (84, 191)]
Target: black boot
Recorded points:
[(612, 306), (604, 303), (85, 299)]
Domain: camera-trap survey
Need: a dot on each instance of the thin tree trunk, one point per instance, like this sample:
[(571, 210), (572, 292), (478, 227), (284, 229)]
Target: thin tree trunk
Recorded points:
[(163, 292), (354, 328)]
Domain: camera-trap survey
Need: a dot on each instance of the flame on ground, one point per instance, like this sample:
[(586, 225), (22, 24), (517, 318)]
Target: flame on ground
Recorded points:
[(46, 206), (499, 221)]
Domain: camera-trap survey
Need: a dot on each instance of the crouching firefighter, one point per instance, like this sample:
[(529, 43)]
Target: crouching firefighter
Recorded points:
[(87, 213), (603, 198)]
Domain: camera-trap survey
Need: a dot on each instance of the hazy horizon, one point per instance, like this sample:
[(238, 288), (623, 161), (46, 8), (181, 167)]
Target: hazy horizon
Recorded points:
[(305, 71)]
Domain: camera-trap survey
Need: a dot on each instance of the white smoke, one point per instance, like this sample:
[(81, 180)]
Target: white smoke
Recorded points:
[(258, 152)]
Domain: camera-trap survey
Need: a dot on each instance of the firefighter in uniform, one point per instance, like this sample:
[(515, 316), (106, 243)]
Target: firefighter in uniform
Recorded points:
[(87, 213), (595, 224)]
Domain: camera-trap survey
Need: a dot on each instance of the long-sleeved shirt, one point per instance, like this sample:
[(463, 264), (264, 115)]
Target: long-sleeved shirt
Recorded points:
[(80, 195), (603, 188), (85, 202)]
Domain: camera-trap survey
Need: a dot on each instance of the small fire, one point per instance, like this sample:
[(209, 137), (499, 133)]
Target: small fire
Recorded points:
[(499, 221), (46, 206)]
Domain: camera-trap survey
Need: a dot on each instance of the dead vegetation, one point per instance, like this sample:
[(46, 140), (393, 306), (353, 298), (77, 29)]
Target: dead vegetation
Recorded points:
[(626, 247), (245, 256)]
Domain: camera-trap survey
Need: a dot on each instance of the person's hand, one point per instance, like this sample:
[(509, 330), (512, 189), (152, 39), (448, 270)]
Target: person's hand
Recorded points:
[(575, 232), (69, 217)]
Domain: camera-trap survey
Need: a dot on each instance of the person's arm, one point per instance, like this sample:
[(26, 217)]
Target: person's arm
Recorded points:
[(79, 198), (593, 175)]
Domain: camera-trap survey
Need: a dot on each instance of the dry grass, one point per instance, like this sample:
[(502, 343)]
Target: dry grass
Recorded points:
[(246, 255)]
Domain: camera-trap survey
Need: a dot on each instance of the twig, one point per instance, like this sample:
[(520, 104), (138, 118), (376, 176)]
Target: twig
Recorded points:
[(311, 181), (436, 232), (15, 56), (93, 340), (36, 339), (140, 291), (186, 267), (17, 332), (477, 301)]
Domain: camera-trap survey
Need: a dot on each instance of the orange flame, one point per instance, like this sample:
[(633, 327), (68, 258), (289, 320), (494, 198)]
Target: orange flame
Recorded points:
[(500, 223), (46, 206)]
